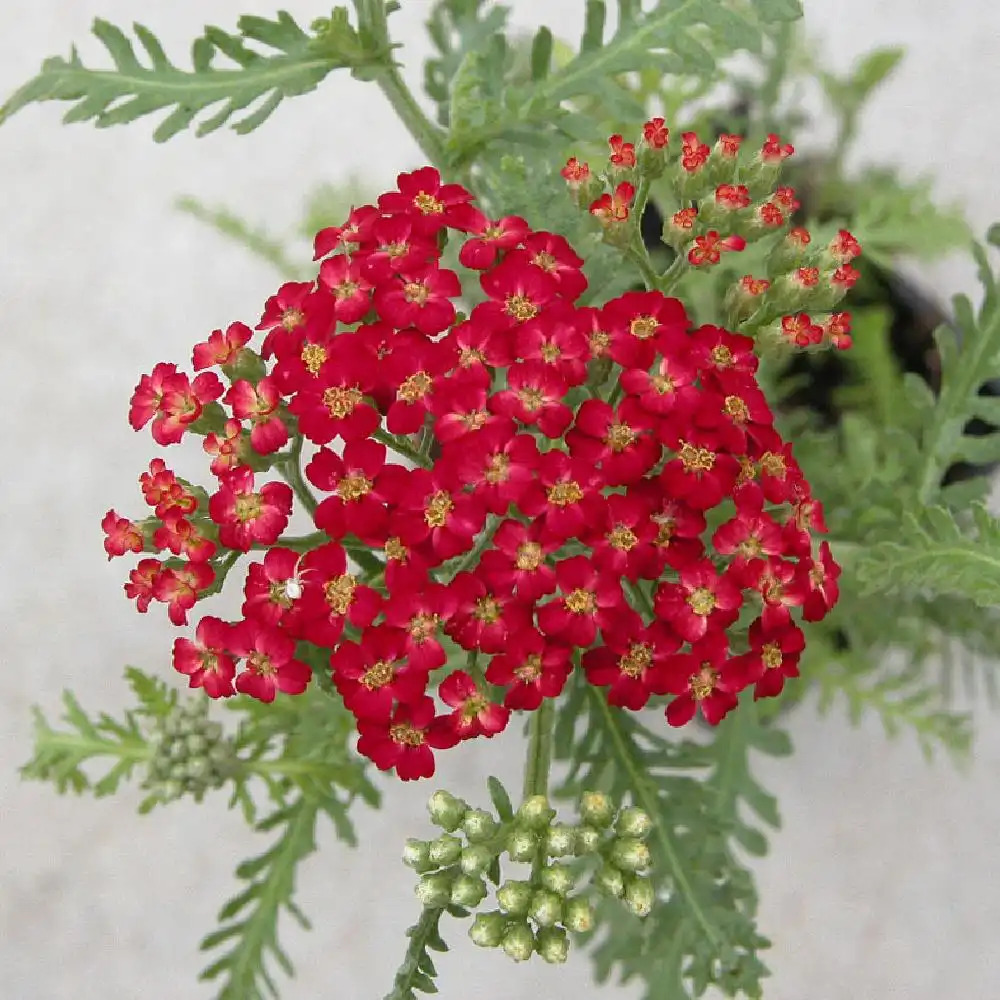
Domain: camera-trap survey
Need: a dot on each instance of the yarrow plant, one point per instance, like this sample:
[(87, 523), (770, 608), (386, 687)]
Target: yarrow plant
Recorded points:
[(547, 472)]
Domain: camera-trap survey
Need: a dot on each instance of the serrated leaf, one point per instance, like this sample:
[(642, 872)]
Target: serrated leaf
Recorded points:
[(295, 63), (500, 799)]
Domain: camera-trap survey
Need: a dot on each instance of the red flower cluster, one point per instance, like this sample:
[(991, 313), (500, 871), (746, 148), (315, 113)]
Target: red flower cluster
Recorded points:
[(532, 484), (727, 200)]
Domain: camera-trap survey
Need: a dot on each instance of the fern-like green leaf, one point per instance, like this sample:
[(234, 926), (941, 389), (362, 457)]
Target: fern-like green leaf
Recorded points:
[(934, 552), (249, 921), (274, 59), (701, 930), (417, 972)]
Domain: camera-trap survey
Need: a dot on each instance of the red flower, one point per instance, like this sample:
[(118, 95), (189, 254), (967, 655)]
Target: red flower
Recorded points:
[(273, 590), (491, 237), (821, 587), (708, 249), (179, 588), (669, 388), (631, 662), (419, 297), (555, 338), (439, 519), (258, 404), (246, 515), (332, 596), (589, 601), (500, 468), (532, 668), (484, 618), (626, 546), (775, 648), (429, 203), (622, 153), (702, 679), (800, 330), (640, 324), (837, 330), (296, 311), (171, 401), (728, 146), (694, 153), (337, 407), (611, 209), (564, 496), (226, 449), (702, 601), (619, 441), (773, 152), (517, 293), (181, 537), (354, 232), (534, 396), (373, 675), (269, 666), (474, 714), (655, 133), (552, 254), (361, 484), (207, 662), (397, 248), (350, 289), (459, 407), (575, 173), (405, 740), (845, 277), (732, 197), (221, 348), (699, 474), (420, 609), (123, 535), (518, 561), (843, 247), (142, 581)]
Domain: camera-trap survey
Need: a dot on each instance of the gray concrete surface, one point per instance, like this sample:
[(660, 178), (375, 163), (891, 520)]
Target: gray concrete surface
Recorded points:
[(883, 883)]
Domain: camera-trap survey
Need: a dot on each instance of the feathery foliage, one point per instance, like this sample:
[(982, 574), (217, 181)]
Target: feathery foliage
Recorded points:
[(702, 928), (293, 61)]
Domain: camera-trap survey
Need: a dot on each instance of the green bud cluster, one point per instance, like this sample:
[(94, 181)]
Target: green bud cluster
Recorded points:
[(534, 915), (190, 755)]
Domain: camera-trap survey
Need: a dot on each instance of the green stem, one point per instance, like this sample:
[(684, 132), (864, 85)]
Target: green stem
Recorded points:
[(291, 471), (421, 934), (427, 135), (647, 798), (673, 274), (298, 543), (539, 760), (401, 447)]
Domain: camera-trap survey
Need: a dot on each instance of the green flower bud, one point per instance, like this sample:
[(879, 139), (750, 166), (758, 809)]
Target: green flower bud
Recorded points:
[(171, 789), (559, 878), (177, 751), (487, 929), (416, 855), (518, 942), (468, 891), (197, 770), (578, 915), (434, 890), (479, 825), (630, 854), (639, 895), (545, 908), (535, 813), (588, 840), (476, 859), (522, 845), (633, 822), (445, 850), (212, 731), (552, 943), (560, 842), (610, 880), (596, 809), (196, 744), (446, 811), (514, 897)]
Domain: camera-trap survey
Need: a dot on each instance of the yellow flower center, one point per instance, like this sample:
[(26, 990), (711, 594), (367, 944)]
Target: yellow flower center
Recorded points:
[(428, 204), (340, 400), (696, 459), (313, 356), (339, 593), (248, 506), (497, 470), (405, 735), (291, 318), (773, 465), (544, 260), (531, 398), (722, 356), (622, 537), (530, 670), (703, 683), (422, 626), (636, 660), (581, 602), (415, 387), (563, 494), (620, 436), (701, 601), (487, 610), (379, 674), (529, 556), (416, 291), (520, 307), (395, 549), (438, 508), (550, 353), (771, 655), (643, 327), (353, 487), (737, 409)]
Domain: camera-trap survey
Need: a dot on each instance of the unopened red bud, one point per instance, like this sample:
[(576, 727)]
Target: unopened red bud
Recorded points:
[(773, 151), (728, 145), (655, 133), (622, 153), (843, 248)]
